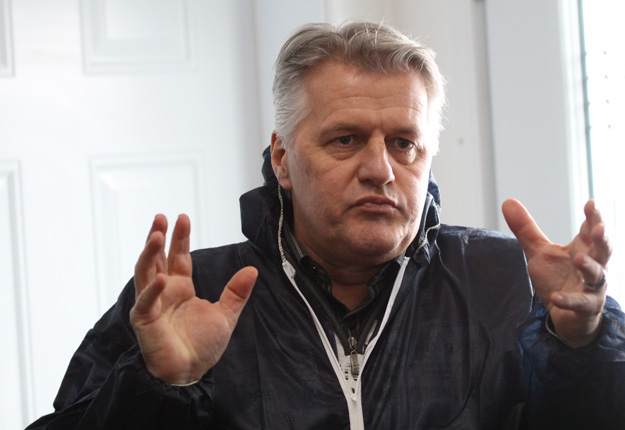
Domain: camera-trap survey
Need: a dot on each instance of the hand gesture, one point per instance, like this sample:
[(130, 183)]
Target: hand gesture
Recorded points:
[(569, 279), (180, 335)]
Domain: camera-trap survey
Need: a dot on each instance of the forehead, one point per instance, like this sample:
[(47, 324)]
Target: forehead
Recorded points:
[(339, 89)]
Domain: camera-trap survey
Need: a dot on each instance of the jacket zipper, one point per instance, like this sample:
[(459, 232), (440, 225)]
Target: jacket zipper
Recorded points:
[(354, 398), (353, 356)]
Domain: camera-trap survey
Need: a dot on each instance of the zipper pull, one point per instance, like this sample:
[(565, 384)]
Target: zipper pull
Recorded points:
[(353, 356)]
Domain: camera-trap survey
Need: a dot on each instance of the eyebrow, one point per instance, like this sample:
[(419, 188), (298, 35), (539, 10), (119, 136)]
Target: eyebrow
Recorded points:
[(412, 131), (342, 127), (357, 129)]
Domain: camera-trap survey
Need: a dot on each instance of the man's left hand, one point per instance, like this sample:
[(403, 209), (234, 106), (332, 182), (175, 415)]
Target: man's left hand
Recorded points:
[(568, 279)]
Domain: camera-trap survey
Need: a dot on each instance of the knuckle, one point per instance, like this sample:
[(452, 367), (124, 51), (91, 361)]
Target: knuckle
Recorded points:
[(133, 316)]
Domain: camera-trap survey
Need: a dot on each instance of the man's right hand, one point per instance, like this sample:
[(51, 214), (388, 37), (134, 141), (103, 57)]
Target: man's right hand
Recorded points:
[(181, 336)]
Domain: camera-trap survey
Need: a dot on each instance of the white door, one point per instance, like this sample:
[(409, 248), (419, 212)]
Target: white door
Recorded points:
[(110, 112)]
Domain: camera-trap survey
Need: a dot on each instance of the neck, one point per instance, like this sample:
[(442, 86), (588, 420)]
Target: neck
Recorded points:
[(350, 284), (350, 295), (350, 280)]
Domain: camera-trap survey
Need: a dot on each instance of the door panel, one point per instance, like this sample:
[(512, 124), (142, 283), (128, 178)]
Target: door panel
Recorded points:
[(110, 111)]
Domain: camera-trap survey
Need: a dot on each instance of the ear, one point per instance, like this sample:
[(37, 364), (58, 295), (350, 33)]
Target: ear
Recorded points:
[(279, 162)]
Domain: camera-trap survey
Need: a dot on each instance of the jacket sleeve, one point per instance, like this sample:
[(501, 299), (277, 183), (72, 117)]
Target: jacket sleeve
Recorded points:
[(575, 388), (107, 386)]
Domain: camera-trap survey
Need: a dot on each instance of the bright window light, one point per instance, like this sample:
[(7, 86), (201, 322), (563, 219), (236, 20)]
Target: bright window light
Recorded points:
[(604, 33)]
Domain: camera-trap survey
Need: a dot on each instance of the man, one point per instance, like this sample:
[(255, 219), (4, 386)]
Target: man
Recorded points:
[(351, 306)]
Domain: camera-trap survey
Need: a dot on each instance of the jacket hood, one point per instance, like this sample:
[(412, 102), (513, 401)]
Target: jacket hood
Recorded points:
[(260, 211)]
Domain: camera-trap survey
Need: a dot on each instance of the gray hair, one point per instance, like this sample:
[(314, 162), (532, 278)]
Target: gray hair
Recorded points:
[(370, 46)]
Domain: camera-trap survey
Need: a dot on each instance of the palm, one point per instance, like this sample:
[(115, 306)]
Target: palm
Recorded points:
[(181, 336), (557, 271), (551, 269)]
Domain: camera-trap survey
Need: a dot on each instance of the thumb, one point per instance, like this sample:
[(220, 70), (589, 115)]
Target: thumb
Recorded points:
[(523, 225), (237, 292)]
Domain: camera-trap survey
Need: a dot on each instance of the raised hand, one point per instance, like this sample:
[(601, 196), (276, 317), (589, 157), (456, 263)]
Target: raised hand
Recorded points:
[(569, 279), (180, 335)]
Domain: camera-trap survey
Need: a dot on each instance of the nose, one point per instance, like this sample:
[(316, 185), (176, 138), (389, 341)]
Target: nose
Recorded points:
[(375, 164)]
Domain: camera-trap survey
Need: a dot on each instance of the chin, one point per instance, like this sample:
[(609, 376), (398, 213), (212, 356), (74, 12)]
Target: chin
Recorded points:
[(386, 244), (375, 242), (378, 252)]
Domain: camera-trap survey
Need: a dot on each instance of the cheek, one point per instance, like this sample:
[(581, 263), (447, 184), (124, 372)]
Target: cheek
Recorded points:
[(305, 181), (415, 207), (308, 176), (415, 190), (323, 195)]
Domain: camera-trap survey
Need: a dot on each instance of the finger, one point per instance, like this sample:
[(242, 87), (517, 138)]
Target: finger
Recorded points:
[(179, 258), (152, 259), (593, 215), (147, 300), (589, 302), (592, 271), (601, 248), (592, 219), (159, 224), (237, 292), (523, 226)]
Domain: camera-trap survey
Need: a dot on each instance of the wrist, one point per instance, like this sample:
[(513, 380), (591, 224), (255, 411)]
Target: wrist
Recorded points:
[(174, 379), (575, 342)]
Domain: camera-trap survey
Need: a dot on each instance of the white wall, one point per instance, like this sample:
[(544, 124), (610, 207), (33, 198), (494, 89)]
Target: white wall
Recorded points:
[(105, 120), (537, 110)]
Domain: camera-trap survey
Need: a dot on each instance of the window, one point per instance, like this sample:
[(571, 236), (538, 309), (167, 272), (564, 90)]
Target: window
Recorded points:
[(604, 66)]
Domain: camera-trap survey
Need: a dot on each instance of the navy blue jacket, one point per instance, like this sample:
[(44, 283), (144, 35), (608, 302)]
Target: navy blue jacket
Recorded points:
[(463, 346)]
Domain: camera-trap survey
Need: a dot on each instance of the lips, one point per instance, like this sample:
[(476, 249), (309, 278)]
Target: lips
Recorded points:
[(376, 202)]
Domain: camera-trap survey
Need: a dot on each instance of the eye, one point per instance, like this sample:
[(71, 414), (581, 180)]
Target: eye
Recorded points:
[(403, 150), (403, 144), (345, 140), (344, 146)]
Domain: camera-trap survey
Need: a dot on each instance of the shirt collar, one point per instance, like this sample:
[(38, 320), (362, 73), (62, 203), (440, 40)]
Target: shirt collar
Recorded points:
[(321, 277)]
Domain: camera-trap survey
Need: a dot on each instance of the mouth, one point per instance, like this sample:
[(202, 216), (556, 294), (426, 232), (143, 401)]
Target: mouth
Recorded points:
[(376, 204)]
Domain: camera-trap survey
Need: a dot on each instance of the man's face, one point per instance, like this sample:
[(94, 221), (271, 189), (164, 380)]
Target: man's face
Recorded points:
[(358, 166)]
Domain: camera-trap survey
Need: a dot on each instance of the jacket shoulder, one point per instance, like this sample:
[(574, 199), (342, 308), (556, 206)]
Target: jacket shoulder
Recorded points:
[(213, 267), (486, 249), (477, 235), (492, 268)]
